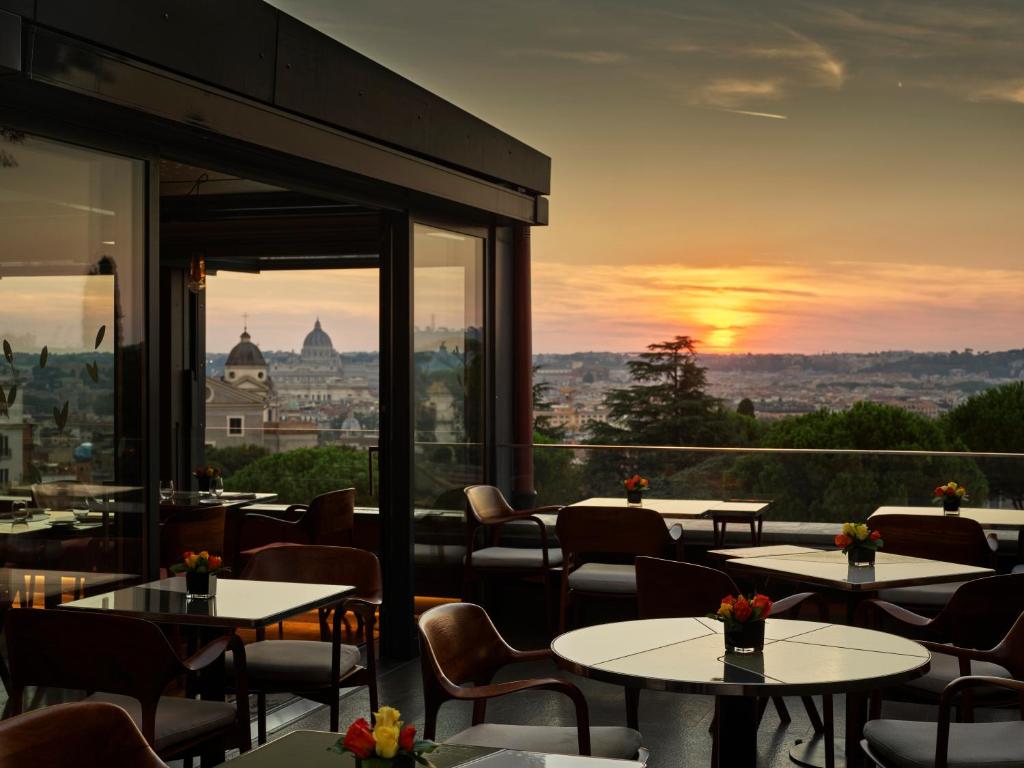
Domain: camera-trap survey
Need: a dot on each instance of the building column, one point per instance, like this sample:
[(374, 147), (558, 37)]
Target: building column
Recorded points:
[(523, 492)]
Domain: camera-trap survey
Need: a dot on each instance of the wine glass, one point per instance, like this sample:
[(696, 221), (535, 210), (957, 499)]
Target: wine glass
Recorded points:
[(217, 486), (80, 509), (166, 490), (19, 512)]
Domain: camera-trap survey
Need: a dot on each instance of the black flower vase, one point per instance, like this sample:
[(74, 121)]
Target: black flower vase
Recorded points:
[(745, 638), (200, 585), (635, 498), (861, 556), (951, 506), (204, 484)]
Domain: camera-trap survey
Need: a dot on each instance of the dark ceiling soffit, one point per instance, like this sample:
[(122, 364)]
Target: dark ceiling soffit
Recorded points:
[(10, 43), (284, 63), (84, 69)]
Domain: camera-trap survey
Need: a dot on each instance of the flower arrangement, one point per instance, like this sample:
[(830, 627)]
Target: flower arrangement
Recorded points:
[(200, 570), (950, 495), (636, 483), (387, 742), (859, 543), (743, 618), (206, 471)]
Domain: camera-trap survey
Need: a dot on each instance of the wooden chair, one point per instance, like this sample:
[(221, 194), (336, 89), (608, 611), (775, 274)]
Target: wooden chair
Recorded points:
[(586, 533), (668, 589), (488, 511), (949, 538), (460, 652), (79, 735), (316, 670), (328, 520), (127, 662), (195, 528), (900, 744), (977, 616)]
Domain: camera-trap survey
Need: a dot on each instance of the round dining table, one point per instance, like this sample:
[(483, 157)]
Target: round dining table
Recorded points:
[(800, 658)]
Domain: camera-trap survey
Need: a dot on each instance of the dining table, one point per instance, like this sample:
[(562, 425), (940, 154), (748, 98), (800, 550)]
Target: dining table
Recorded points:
[(990, 518), (800, 658), (683, 509), (312, 749)]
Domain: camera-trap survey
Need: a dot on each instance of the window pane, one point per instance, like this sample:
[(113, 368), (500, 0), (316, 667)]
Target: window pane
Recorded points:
[(72, 326)]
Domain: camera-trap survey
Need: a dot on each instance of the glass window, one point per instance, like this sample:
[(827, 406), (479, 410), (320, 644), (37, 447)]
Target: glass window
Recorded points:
[(71, 288), (449, 390), (235, 425)]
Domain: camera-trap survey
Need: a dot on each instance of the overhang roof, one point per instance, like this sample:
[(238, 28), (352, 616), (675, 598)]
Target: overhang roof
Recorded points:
[(252, 49)]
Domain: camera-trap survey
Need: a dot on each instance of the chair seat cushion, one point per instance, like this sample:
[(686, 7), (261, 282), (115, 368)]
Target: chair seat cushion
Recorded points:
[(514, 557), (612, 742), (931, 595), (604, 577), (283, 664), (946, 668), (177, 720), (909, 744)]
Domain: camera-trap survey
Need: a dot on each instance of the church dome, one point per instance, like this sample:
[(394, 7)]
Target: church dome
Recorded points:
[(245, 353), (317, 338)]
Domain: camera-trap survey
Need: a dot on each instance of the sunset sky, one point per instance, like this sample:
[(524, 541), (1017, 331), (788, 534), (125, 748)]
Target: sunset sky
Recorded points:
[(785, 176)]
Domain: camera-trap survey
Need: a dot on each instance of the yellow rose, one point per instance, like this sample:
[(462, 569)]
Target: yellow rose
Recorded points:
[(862, 531), (725, 611), (849, 529), (386, 737), (389, 717), (205, 555), (191, 561)]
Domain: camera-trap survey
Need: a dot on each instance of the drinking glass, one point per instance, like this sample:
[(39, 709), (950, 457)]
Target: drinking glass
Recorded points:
[(166, 490), (80, 509), (217, 486), (19, 512)]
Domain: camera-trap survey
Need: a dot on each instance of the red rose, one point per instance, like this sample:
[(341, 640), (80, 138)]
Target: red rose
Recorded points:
[(187, 555), (359, 739), (875, 535), (842, 540), (741, 610), (762, 604), (407, 738), (728, 600), (215, 561)]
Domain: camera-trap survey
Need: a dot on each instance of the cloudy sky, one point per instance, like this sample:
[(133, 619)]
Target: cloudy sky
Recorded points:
[(786, 176)]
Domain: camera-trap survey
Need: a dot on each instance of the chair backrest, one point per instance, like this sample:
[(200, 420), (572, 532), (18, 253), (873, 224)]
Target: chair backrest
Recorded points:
[(193, 529), (1009, 652), (950, 538), (57, 495), (81, 735), (91, 652), (330, 518), (318, 564), (670, 589), (485, 502), (458, 645), (611, 530), (981, 611)]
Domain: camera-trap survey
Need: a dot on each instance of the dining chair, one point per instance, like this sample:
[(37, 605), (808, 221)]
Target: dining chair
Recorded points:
[(315, 669), (590, 536), (128, 662), (977, 617), (913, 744), (668, 589), (89, 734), (460, 653), (950, 538), (487, 512), (195, 528), (328, 519)]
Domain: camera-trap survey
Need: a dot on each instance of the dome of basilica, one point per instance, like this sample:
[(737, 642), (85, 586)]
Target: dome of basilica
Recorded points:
[(317, 339), (246, 353)]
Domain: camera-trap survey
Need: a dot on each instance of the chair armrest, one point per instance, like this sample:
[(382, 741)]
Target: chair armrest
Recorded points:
[(538, 655), (892, 611), (482, 692), (949, 693), (257, 530), (524, 516), (209, 653), (793, 603), (963, 654), (296, 508), (550, 509)]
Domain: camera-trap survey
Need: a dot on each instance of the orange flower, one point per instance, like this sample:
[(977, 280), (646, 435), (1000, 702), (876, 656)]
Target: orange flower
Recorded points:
[(215, 561), (728, 600), (359, 739), (843, 541), (875, 535), (762, 604)]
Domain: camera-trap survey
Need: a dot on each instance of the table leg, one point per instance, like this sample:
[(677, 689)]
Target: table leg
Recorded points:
[(856, 717), (737, 732)]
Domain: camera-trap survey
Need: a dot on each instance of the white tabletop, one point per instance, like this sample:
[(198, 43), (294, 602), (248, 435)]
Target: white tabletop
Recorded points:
[(688, 656), (996, 519), (681, 508), (831, 569)]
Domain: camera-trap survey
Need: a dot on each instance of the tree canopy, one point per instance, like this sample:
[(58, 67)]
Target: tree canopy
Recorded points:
[(299, 475)]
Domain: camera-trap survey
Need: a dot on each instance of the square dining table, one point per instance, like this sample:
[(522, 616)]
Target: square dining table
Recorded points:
[(683, 509), (238, 603), (993, 519), (310, 749)]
